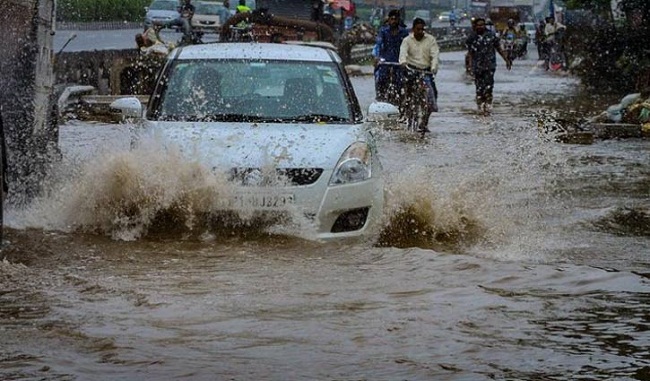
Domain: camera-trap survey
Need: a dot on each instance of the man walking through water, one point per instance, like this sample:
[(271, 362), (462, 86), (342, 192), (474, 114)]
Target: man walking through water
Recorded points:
[(482, 47)]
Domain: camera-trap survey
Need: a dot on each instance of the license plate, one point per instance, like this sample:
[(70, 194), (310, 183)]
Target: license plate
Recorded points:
[(259, 201)]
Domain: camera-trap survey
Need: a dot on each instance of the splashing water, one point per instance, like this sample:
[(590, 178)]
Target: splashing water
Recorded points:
[(152, 189)]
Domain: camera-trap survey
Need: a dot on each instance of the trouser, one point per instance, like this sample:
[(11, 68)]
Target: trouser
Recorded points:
[(484, 80), (186, 27)]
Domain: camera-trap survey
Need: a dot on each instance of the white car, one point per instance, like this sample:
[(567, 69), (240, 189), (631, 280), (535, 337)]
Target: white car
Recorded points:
[(164, 12), (280, 123), (206, 16)]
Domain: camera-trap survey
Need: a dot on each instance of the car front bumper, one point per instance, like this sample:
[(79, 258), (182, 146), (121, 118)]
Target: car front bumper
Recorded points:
[(336, 211)]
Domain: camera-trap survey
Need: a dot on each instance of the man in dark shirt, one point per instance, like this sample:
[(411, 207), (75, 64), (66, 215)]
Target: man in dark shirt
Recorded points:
[(482, 47), (187, 12)]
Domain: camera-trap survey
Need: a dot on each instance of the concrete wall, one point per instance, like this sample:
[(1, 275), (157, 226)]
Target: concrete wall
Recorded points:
[(111, 72)]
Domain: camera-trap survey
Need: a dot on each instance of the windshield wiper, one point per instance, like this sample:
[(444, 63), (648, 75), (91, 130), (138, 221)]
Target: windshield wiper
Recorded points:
[(315, 118), (215, 118)]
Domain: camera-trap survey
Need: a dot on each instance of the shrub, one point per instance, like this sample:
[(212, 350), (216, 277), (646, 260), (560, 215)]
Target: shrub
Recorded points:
[(101, 10)]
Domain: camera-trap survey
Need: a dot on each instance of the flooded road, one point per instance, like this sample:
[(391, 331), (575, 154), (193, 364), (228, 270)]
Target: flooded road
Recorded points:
[(503, 255)]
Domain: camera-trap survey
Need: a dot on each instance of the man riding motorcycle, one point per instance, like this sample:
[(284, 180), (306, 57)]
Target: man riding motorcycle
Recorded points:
[(553, 33), (509, 36), (388, 73)]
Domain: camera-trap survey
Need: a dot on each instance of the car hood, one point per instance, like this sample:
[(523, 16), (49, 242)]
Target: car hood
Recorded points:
[(198, 19), (205, 17), (257, 145), (159, 13)]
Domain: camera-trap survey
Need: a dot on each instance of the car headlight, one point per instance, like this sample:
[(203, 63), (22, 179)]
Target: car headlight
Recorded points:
[(354, 165)]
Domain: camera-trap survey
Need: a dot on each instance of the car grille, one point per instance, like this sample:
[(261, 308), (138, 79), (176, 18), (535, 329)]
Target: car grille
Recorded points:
[(259, 177)]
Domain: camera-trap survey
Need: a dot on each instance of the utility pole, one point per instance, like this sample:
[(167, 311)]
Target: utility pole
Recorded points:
[(26, 92)]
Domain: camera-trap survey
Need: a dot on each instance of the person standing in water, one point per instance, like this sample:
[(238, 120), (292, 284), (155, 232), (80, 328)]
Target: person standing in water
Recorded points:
[(482, 47)]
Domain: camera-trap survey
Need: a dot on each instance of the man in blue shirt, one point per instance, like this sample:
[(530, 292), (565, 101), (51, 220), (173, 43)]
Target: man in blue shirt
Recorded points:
[(388, 73)]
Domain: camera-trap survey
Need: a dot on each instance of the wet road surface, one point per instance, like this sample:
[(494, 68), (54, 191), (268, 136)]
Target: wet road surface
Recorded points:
[(503, 255)]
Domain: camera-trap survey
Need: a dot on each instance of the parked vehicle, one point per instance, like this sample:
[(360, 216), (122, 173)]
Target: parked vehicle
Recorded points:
[(444, 16), (530, 30), (206, 16), (280, 123), (163, 11)]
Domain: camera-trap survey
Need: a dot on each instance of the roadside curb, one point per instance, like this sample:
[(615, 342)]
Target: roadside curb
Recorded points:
[(99, 25)]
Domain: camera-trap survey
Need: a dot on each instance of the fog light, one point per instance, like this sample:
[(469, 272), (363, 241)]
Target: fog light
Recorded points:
[(351, 220)]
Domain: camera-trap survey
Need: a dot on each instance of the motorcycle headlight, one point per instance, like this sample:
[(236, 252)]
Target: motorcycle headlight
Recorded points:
[(354, 165)]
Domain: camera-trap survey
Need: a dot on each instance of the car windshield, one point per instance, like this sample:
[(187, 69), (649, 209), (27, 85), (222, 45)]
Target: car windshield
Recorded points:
[(252, 90), (208, 8), (162, 5)]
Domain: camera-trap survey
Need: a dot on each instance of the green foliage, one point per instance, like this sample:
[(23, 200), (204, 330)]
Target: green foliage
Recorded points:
[(612, 59), (596, 5), (101, 10)]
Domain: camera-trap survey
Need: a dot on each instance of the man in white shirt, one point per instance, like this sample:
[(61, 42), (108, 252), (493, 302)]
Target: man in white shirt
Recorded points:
[(552, 28), (419, 52)]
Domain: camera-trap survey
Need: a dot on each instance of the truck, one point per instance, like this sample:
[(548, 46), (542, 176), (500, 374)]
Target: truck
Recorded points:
[(518, 10), (277, 21), (299, 20), (478, 9)]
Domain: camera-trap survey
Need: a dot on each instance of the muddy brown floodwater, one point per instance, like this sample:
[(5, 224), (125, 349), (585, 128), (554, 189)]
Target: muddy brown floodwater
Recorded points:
[(502, 255)]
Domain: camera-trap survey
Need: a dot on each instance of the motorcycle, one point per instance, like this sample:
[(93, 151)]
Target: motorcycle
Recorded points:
[(556, 60), (509, 39), (521, 47), (193, 38), (556, 56)]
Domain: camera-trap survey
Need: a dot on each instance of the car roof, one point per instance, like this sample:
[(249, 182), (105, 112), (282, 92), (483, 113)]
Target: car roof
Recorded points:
[(254, 50)]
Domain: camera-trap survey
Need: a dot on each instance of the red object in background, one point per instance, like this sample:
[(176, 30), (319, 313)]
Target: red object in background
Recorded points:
[(345, 4)]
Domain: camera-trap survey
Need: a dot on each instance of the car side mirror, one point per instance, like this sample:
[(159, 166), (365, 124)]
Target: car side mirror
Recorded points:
[(129, 107), (383, 113)]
